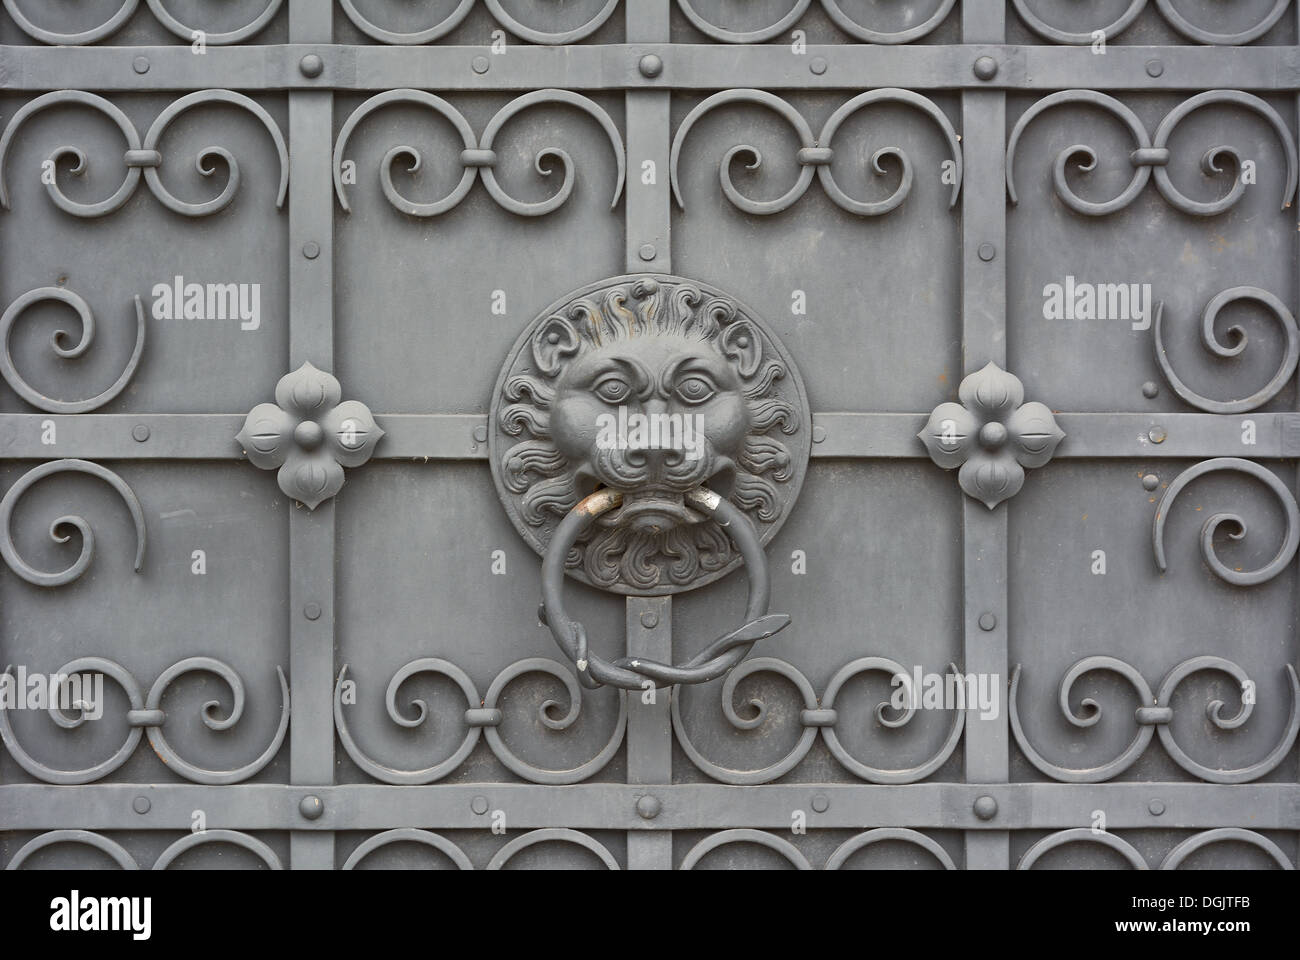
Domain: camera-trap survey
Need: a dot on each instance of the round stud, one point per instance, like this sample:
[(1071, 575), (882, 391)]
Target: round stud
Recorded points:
[(480, 64), (648, 252), (1155, 68), (312, 611), (311, 249), (1157, 434), (993, 435), (650, 66), (479, 805), (648, 807), (818, 65), (311, 807), (1150, 390), (1157, 807), (820, 803), (141, 805), (1150, 481), (140, 433), (308, 434), (312, 66), (988, 621), (480, 434), (141, 65), (649, 620), (987, 252), (986, 808), (986, 68), (819, 434)]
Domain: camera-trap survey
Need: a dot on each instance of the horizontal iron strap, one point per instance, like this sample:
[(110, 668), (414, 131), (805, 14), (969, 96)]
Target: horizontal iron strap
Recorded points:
[(1258, 806), (616, 66), (93, 436)]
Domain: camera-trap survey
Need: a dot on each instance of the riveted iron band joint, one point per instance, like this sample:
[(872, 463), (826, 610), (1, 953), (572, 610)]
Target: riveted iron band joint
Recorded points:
[(818, 718), (1149, 157), (478, 158), (142, 158), (1151, 716), (483, 717), (145, 718), (816, 156)]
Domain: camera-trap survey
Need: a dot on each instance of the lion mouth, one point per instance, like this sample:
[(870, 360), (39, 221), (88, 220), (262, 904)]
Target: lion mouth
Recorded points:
[(652, 511)]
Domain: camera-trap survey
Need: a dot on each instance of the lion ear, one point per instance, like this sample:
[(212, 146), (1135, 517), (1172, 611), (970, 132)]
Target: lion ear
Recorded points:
[(740, 344), (554, 341)]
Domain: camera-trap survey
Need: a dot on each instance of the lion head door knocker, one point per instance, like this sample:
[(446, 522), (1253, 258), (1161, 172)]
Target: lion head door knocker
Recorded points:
[(648, 435)]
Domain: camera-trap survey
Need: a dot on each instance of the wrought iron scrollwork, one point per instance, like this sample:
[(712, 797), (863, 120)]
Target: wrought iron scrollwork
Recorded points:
[(1290, 541), (457, 16), (1172, 860), (833, 10), (1155, 713), (145, 714), (1152, 154), (816, 714), (127, 10), (143, 158), (478, 156), (481, 715), (58, 342), (816, 153), (1286, 368), (42, 578), (1167, 9)]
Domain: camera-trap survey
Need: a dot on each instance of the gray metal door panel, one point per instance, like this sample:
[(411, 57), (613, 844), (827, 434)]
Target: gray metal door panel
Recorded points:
[(409, 187)]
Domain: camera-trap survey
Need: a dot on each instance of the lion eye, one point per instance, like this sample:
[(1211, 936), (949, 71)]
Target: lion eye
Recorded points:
[(612, 390), (694, 389)]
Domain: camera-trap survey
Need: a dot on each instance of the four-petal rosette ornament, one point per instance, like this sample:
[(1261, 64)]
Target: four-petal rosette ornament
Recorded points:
[(309, 435), (992, 435)]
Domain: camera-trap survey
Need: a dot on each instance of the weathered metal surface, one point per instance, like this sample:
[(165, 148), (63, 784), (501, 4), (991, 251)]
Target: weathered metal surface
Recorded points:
[(372, 205)]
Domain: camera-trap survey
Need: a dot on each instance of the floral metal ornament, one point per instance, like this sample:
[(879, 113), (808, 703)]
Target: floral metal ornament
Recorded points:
[(992, 435), (309, 435)]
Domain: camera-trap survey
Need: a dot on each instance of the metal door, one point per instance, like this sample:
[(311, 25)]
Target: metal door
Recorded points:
[(296, 295)]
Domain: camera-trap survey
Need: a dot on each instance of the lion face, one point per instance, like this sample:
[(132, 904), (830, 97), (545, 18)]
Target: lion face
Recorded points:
[(675, 407), (651, 387)]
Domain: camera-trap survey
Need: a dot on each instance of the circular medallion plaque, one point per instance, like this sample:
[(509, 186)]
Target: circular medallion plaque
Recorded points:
[(650, 386)]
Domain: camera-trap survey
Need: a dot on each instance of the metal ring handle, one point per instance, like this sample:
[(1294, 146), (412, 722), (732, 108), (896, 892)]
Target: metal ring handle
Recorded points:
[(632, 673)]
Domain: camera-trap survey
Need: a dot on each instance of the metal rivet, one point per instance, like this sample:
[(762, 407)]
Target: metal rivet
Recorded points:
[(311, 66), (141, 805), (311, 249), (649, 620), (1157, 434), (1157, 807), (818, 65), (480, 434), (1155, 68), (1150, 481), (480, 64), (819, 434), (141, 65), (648, 252), (986, 808), (140, 433), (311, 807), (820, 803), (479, 805), (988, 621), (648, 807), (987, 252), (651, 66), (311, 611), (986, 68), (1150, 390)]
